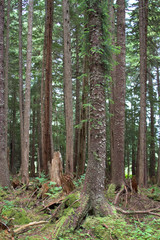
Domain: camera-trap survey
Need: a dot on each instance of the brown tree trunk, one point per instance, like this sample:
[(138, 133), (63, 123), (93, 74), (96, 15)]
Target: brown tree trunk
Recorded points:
[(152, 136), (48, 72), (68, 88), (4, 171), (158, 170), (21, 102), (119, 100), (25, 163), (77, 120), (84, 117), (32, 169), (112, 84), (7, 67), (142, 162), (13, 137)]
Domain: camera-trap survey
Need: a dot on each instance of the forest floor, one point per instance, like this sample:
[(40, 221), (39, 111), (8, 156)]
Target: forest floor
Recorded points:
[(38, 212)]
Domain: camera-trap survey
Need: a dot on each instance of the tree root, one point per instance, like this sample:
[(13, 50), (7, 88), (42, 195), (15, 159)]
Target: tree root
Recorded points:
[(75, 217), (150, 211), (26, 227)]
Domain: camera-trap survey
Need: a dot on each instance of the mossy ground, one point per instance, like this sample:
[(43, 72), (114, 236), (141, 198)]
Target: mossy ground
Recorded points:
[(21, 206)]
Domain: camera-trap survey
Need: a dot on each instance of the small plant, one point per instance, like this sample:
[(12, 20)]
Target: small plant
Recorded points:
[(42, 179)]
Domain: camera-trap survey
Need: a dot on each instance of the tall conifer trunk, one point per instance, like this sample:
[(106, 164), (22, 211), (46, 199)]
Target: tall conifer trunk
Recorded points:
[(25, 163), (119, 100), (142, 161), (47, 135), (68, 87), (4, 171)]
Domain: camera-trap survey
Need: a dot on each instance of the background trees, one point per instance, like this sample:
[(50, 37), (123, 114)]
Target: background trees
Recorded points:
[(76, 45)]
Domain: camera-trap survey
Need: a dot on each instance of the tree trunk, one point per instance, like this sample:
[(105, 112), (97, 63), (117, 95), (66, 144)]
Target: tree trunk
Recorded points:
[(152, 136), (142, 178), (112, 83), (77, 117), (47, 118), (32, 169), (4, 171), (119, 100), (25, 163), (83, 124), (158, 170), (68, 88), (7, 67), (21, 102)]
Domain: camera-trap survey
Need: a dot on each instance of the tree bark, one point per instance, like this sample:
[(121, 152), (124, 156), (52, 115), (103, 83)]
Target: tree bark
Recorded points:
[(68, 88), (152, 134), (142, 161), (119, 100), (158, 170), (25, 163), (21, 98), (7, 67), (4, 171), (48, 72)]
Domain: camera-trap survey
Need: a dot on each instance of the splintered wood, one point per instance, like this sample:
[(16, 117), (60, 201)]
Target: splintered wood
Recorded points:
[(56, 168)]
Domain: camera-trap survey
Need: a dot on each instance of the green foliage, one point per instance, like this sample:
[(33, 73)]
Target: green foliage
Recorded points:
[(42, 179)]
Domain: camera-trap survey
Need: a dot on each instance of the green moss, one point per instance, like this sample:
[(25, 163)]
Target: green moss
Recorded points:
[(19, 215), (3, 194), (111, 191), (72, 200), (104, 228)]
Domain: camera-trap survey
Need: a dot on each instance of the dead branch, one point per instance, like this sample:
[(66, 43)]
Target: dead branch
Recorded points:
[(117, 196), (150, 211), (26, 226)]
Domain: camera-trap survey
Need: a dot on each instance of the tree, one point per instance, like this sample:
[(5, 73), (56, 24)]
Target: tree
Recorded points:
[(142, 160), (92, 195), (68, 87), (25, 163), (48, 148), (119, 100), (4, 171), (21, 98)]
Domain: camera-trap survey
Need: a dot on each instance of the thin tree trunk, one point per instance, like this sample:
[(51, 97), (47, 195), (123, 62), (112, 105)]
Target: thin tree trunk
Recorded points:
[(158, 170), (25, 163), (32, 170), (21, 103), (84, 117), (112, 83), (152, 141), (7, 66), (119, 100), (48, 81), (13, 160), (77, 121), (4, 171), (142, 178), (68, 88)]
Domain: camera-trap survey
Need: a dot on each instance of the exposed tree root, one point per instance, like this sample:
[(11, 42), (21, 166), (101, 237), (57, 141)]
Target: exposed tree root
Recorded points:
[(75, 217), (150, 211)]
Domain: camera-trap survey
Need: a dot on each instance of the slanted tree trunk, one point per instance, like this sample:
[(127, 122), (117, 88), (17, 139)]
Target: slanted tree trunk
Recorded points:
[(47, 135), (68, 88), (119, 100), (142, 161), (4, 171), (25, 163)]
